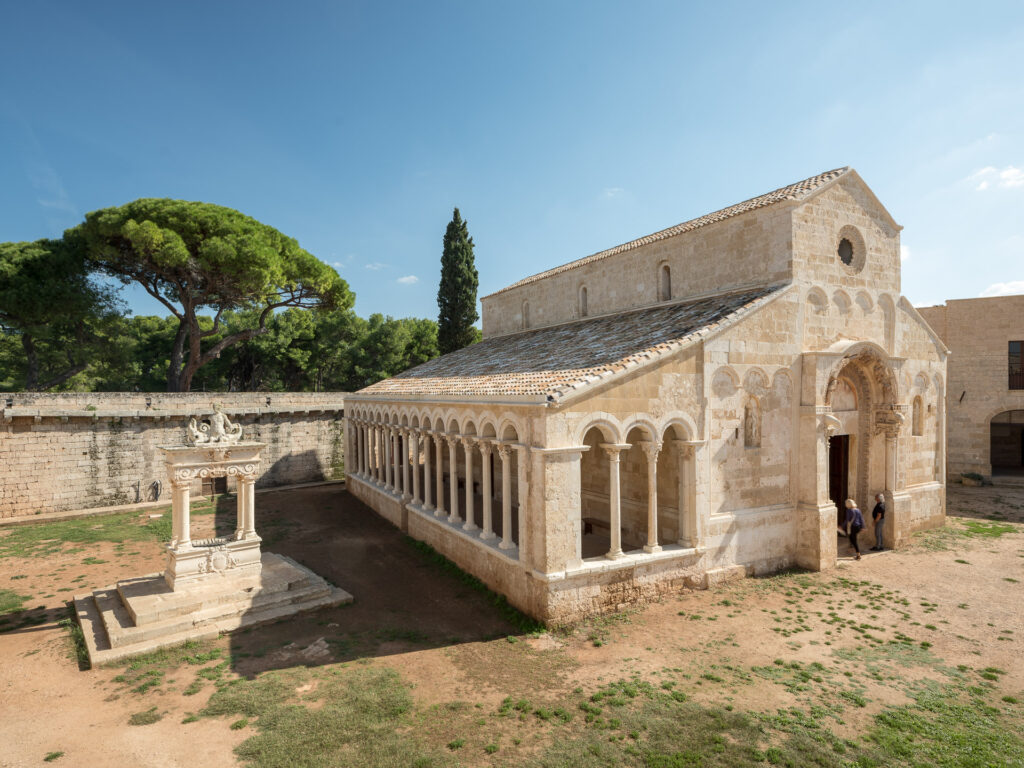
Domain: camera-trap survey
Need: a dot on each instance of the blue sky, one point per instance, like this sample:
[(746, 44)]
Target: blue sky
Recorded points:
[(559, 129)]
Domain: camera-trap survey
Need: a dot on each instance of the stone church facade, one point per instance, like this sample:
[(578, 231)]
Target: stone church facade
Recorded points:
[(675, 411)]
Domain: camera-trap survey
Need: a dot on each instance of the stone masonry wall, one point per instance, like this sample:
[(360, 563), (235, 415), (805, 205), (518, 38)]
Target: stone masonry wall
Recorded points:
[(977, 332), (61, 452)]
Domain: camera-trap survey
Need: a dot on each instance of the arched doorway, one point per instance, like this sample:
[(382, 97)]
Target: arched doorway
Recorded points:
[(1006, 443), (861, 395)]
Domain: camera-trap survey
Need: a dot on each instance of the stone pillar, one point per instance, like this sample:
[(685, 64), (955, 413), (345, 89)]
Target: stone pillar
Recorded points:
[(453, 479), (505, 452), (388, 463), (522, 497), (651, 451), (240, 509), (687, 523), (362, 449), (181, 533), (890, 537), (428, 496), (396, 452), (378, 476), (614, 498), (485, 456), (415, 437), (439, 469), (403, 441), (249, 484), (468, 444)]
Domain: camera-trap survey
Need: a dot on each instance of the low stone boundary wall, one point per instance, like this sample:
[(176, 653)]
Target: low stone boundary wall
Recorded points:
[(70, 451)]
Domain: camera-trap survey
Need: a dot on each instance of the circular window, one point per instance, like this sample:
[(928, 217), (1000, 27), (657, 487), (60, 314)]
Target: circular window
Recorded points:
[(850, 248), (846, 252)]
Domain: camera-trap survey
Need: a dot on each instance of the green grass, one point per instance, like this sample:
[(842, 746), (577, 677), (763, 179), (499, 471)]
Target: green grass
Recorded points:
[(44, 539), (51, 756), (148, 717), (11, 601)]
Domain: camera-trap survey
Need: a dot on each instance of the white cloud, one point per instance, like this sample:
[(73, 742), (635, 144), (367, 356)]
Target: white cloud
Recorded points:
[(376, 266), (408, 280), (1007, 178), (610, 192), (336, 264), (1004, 289), (904, 253)]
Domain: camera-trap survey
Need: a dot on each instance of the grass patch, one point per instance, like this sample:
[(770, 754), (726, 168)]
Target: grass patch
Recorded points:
[(148, 717), (77, 650), (363, 709), (11, 601), (51, 756), (45, 539), (512, 615)]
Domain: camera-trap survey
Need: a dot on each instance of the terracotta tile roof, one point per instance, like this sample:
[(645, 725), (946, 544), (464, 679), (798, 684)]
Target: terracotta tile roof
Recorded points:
[(795, 191), (549, 363)]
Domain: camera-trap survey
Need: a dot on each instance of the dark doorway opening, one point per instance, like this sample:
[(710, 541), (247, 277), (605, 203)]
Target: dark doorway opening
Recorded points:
[(214, 485), (839, 475), (1007, 443)]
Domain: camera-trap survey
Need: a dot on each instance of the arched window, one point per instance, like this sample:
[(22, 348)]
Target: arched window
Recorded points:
[(664, 283), (917, 418), (583, 301), (526, 314), (752, 424)]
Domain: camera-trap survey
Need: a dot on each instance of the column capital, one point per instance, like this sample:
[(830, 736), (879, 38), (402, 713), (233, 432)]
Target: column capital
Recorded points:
[(613, 449), (651, 450), (469, 441), (485, 446), (453, 440), (504, 450)]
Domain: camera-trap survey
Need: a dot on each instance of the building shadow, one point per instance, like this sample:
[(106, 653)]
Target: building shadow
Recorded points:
[(404, 598)]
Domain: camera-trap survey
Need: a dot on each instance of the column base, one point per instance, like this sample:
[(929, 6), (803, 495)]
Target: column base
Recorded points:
[(615, 555), (213, 559), (507, 545), (652, 549), (488, 535)]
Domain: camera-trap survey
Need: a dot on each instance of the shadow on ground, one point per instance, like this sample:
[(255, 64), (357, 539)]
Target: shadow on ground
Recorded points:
[(404, 599)]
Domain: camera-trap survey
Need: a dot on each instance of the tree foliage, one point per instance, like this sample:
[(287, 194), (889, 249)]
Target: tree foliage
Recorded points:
[(456, 295), (61, 318), (191, 256)]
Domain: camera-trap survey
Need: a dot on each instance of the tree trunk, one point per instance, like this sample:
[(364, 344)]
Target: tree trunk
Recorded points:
[(31, 362), (177, 352)]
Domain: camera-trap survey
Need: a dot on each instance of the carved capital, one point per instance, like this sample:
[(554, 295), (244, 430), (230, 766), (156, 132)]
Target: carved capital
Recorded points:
[(505, 451), (651, 451)]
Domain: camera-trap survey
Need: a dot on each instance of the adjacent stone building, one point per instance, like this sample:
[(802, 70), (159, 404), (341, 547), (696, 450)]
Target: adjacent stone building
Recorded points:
[(683, 408), (985, 399)]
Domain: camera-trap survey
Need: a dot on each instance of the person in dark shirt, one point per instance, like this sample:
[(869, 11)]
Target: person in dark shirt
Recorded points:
[(878, 516), (854, 524)]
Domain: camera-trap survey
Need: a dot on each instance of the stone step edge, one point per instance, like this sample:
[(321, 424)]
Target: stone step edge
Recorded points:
[(89, 618)]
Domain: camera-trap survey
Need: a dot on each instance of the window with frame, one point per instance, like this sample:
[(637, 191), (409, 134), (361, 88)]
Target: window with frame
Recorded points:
[(1016, 364)]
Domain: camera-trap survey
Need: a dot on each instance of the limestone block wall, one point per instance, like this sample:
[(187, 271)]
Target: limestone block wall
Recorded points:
[(978, 332), (751, 249), (71, 451)]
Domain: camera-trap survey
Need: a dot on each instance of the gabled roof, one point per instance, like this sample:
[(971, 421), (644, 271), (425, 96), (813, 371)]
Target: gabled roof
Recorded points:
[(548, 364), (793, 192)]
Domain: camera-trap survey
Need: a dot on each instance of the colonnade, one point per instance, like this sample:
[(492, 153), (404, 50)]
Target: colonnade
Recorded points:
[(395, 458)]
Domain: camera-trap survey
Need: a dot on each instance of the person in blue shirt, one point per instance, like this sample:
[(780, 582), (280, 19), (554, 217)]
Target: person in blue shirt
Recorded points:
[(854, 524)]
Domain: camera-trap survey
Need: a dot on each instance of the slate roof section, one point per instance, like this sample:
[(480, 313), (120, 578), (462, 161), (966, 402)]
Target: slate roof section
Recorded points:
[(551, 363), (796, 191)]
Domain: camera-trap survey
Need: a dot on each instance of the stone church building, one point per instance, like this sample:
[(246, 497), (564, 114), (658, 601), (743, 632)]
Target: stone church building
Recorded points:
[(681, 409)]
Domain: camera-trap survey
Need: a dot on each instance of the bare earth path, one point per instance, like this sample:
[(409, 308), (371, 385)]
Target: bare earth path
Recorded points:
[(760, 646)]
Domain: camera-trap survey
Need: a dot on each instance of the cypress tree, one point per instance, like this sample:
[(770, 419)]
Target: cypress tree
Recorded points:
[(456, 296)]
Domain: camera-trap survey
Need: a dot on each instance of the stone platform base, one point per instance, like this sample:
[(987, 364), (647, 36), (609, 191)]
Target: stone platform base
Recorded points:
[(142, 614)]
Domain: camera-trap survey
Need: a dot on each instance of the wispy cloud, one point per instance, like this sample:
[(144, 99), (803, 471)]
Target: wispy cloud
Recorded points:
[(610, 192), (408, 280), (1004, 289), (1008, 177), (904, 253), (376, 265)]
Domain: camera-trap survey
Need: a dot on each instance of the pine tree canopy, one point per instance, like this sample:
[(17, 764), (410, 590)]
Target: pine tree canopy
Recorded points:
[(456, 295)]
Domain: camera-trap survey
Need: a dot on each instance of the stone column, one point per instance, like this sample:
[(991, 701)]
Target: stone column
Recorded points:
[(485, 455), (687, 516), (453, 479), (415, 437), (388, 462), (403, 456), (439, 469), (362, 449), (375, 458), (249, 484), (468, 445), (240, 508), (428, 496), (522, 499), (181, 534), (614, 498), (505, 452), (651, 451)]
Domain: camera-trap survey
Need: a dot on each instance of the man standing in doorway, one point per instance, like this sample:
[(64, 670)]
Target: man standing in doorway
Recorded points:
[(878, 515)]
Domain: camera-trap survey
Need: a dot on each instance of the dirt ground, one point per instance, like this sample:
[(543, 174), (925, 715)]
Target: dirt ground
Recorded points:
[(956, 593)]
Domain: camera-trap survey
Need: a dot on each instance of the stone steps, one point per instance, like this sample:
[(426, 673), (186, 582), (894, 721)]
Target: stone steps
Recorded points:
[(168, 618)]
